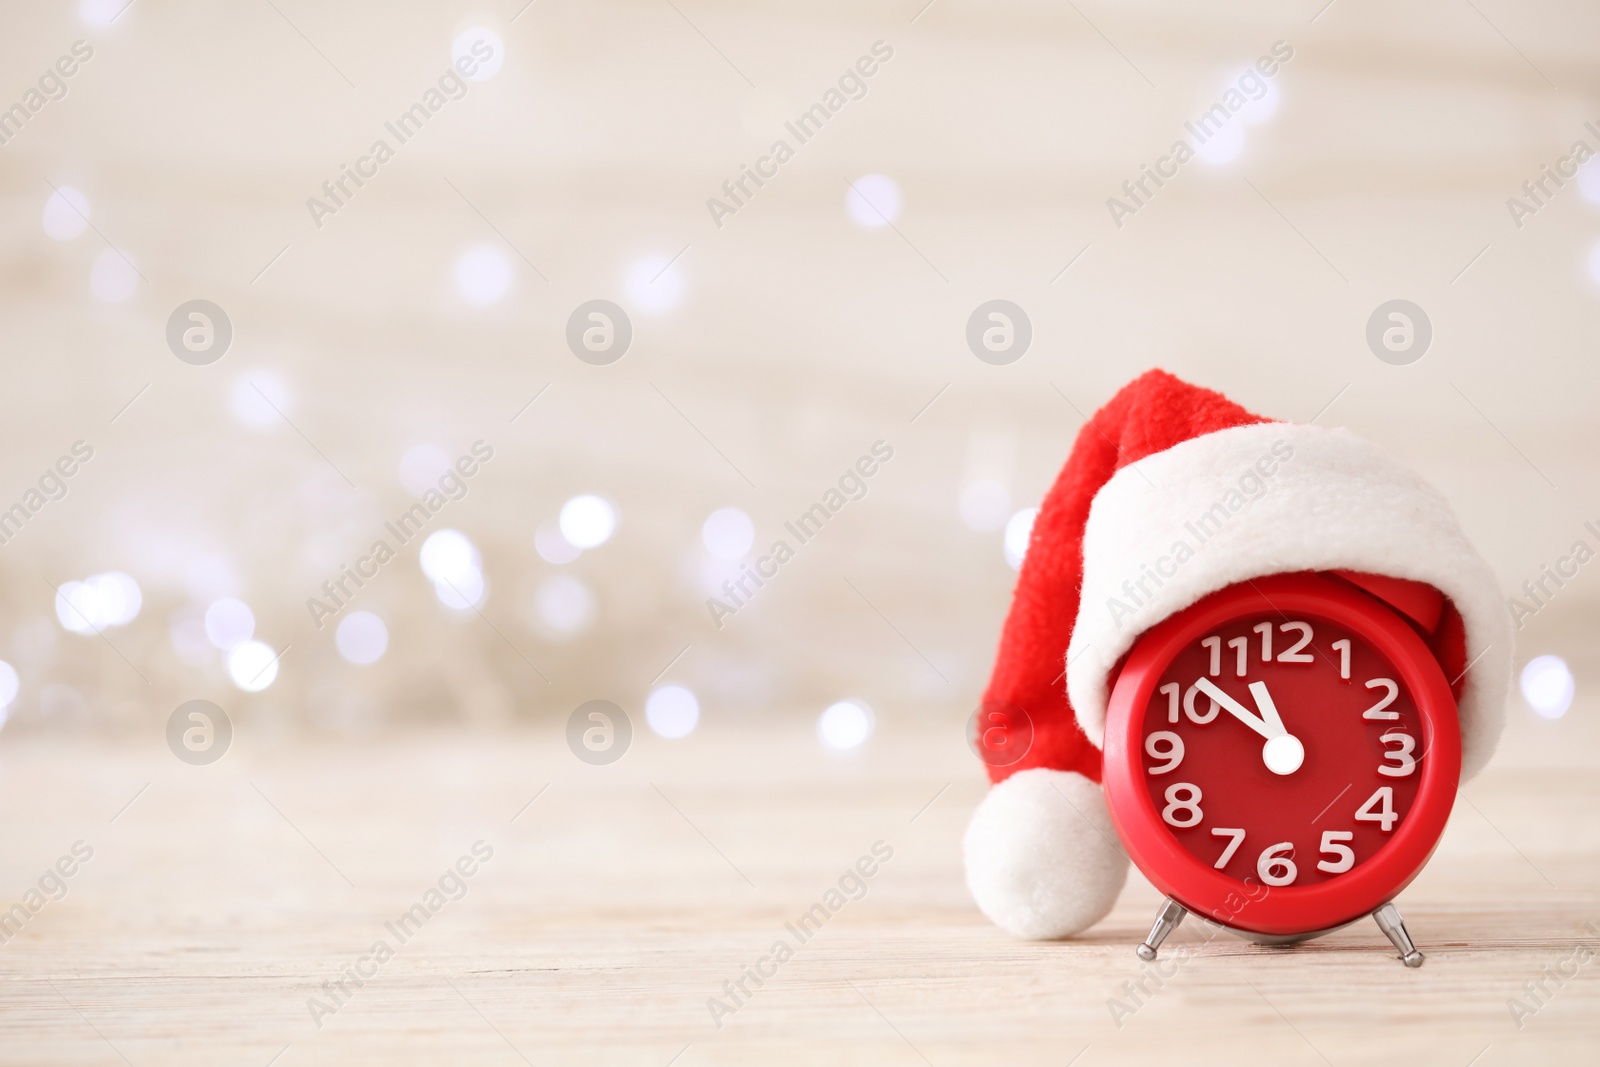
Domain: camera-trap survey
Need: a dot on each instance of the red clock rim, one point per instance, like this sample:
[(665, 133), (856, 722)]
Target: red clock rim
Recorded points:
[(1286, 909)]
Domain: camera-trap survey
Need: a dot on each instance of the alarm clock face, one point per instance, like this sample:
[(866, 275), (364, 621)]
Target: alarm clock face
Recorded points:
[(1283, 755)]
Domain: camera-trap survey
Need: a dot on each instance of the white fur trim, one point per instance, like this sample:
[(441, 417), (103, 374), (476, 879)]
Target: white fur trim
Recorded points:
[(1337, 503), (1040, 858)]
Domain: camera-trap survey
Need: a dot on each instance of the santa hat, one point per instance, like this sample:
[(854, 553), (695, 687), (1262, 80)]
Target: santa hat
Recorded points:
[(1042, 857)]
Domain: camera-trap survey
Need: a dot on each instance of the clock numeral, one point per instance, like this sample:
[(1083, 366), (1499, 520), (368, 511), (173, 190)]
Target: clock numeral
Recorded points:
[(1332, 844), (1293, 653), (1275, 865), (1170, 691), (1343, 648), (1241, 646), (1405, 763), (1385, 815), (1236, 834), (1376, 711), (1177, 804), (1215, 645), (1173, 750), (1194, 716), (1265, 630)]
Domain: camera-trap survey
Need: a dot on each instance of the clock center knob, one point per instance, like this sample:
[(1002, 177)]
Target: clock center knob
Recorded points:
[(1283, 754)]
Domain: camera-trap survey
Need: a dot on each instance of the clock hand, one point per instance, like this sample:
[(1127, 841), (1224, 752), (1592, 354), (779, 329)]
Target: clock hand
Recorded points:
[(1269, 710), (1239, 711), (1283, 753)]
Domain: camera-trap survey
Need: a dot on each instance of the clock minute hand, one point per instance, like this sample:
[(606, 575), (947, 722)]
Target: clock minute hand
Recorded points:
[(1257, 723), (1269, 710)]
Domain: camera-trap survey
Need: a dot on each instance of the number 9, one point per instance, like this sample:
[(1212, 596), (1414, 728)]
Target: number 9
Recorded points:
[(1170, 747)]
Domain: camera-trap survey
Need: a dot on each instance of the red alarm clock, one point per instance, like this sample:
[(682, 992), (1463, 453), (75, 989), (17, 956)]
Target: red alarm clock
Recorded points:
[(1281, 758)]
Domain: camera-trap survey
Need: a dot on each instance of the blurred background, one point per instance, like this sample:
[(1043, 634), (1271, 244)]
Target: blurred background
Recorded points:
[(379, 331)]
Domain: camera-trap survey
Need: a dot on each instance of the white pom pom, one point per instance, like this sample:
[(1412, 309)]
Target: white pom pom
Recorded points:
[(1040, 856)]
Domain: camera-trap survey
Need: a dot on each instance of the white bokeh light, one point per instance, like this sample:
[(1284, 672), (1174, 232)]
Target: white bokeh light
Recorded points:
[(362, 638), (1018, 529), (229, 623), (653, 283), (101, 12), (587, 521), (484, 274), (728, 534), (873, 200), (672, 712), (985, 504), (1589, 180), (252, 666), (1223, 146), (97, 603), (844, 725), (10, 683), (113, 278), (564, 604), (421, 467), (461, 592), (1547, 685), (66, 213), (487, 41), (1258, 111), (552, 546), (448, 555), (258, 397)]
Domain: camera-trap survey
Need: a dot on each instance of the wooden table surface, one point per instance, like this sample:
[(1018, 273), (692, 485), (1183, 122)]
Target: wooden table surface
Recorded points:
[(219, 899)]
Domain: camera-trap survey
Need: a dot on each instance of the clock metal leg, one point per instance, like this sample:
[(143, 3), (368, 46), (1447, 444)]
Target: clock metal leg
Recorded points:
[(1171, 915), (1394, 928)]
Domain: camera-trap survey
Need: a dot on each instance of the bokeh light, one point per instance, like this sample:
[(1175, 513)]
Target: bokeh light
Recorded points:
[(96, 603), (1018, 529), (252, 666), (728, 534), (1260, 110), (421, 468), (564, 605), (552, 546), (654, 283), (101, 12), (588, 521), (1223, 146), (229, 623), (484, 274), (487, 41), (844, 725), (66, 213), (11, 683), (1547, 685), (260, 399), (362, 638), (447, 555), (873, 200), (672, 711)]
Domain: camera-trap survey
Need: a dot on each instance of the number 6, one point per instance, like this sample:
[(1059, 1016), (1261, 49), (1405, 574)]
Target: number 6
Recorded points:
[(1276, 858)]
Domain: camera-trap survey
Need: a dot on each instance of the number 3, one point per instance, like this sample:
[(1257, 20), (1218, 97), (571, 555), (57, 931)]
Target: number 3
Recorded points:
[(1407, 764)]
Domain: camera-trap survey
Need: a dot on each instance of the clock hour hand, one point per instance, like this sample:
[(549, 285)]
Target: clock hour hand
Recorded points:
[(1283, 753), (1268, 728)]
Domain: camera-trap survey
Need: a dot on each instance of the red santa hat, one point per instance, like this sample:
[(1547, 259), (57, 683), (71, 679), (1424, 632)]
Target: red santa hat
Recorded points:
[(1042, 857)]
